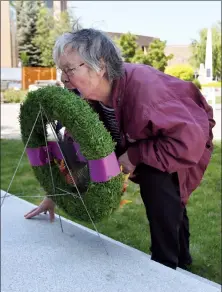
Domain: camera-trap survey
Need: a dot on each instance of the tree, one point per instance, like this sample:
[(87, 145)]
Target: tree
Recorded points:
[(127, 44), (27, 12), (49, 28), (198, 48), (61, 25), (217, 51), (140, 57), (155, 56), (24, 58), (132, 53), (14, 4), (44, 27)]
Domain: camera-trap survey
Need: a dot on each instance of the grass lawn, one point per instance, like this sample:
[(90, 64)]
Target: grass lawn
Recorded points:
[(218, 100), (212, 84), (129, 224)]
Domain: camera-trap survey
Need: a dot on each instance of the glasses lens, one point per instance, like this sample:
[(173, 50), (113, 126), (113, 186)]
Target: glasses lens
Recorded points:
[(69, 72)]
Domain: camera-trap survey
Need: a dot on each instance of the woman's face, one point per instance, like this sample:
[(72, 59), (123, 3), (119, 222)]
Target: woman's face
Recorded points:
[(78, 75)]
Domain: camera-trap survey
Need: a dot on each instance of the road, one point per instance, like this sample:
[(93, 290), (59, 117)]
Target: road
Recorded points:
[(10, 128)]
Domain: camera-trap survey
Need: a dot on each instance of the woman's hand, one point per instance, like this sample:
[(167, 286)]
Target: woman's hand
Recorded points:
[(46, 205), (127, 166)]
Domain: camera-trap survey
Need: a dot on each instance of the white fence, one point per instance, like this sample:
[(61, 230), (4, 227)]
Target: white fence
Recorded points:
[(210, 94)]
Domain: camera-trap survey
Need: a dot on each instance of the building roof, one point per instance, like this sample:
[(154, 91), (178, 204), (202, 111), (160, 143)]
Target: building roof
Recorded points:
[(142, 40)]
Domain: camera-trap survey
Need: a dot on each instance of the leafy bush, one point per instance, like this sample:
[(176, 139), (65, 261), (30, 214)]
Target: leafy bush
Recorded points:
[(14, 96), (197, 83), (184, 72)]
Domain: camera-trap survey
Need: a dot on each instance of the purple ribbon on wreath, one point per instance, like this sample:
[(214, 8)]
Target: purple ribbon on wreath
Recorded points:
[(101, 170)]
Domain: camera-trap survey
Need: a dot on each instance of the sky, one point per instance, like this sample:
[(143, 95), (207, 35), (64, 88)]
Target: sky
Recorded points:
[(177, 22)]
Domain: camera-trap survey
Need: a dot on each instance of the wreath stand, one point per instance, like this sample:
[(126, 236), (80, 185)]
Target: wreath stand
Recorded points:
[(106, 194)]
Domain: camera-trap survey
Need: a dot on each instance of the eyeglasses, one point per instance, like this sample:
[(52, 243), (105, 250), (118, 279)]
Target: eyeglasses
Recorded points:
[(70, 72)]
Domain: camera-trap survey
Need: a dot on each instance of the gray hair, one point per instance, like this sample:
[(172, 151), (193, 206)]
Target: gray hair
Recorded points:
[(92, 46)]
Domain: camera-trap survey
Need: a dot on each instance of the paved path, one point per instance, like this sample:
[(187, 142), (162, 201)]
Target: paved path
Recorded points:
[(37, 256), (10, 128)]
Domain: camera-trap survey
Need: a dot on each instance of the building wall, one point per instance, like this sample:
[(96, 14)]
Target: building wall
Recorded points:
[(6, 53), (182, 54), (14, 44)]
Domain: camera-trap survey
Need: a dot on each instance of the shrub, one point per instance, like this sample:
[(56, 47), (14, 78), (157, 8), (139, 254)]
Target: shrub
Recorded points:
[(14, 96), (184, 72), (197, 83)]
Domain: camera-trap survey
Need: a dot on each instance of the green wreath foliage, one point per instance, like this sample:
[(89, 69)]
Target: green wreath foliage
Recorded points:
[(101, 199)]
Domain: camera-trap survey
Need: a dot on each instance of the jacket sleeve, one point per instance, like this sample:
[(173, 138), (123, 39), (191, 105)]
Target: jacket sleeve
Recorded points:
[(177, 142)]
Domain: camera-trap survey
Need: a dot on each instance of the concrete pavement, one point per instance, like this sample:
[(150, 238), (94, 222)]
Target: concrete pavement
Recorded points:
[(10, 128), (37, 256)]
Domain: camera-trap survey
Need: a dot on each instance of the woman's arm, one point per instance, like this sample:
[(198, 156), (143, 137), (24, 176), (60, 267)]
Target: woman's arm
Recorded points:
[(179, 140)]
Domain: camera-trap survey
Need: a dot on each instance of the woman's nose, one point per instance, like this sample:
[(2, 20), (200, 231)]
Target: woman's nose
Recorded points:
[(64, 78)]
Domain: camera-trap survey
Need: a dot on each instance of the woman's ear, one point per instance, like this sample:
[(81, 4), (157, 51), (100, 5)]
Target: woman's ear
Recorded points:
[(102, 70)]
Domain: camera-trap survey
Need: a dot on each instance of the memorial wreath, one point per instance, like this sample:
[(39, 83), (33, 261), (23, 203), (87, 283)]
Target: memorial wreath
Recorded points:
[(104, 188)]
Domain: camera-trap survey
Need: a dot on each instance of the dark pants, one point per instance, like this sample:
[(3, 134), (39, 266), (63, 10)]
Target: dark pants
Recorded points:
[(169, 224)]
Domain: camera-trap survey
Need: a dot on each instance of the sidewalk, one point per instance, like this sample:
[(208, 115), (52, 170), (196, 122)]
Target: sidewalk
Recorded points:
[(37, 256), (10, 128)]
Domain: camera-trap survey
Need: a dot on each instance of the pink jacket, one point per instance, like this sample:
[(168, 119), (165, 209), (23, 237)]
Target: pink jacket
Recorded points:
[(167, 123)]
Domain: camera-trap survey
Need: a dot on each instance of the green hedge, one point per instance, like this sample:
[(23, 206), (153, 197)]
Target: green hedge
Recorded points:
[(184, 72), (14, 96)]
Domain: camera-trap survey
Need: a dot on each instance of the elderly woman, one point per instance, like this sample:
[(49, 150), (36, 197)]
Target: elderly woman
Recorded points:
[(162, 126)]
